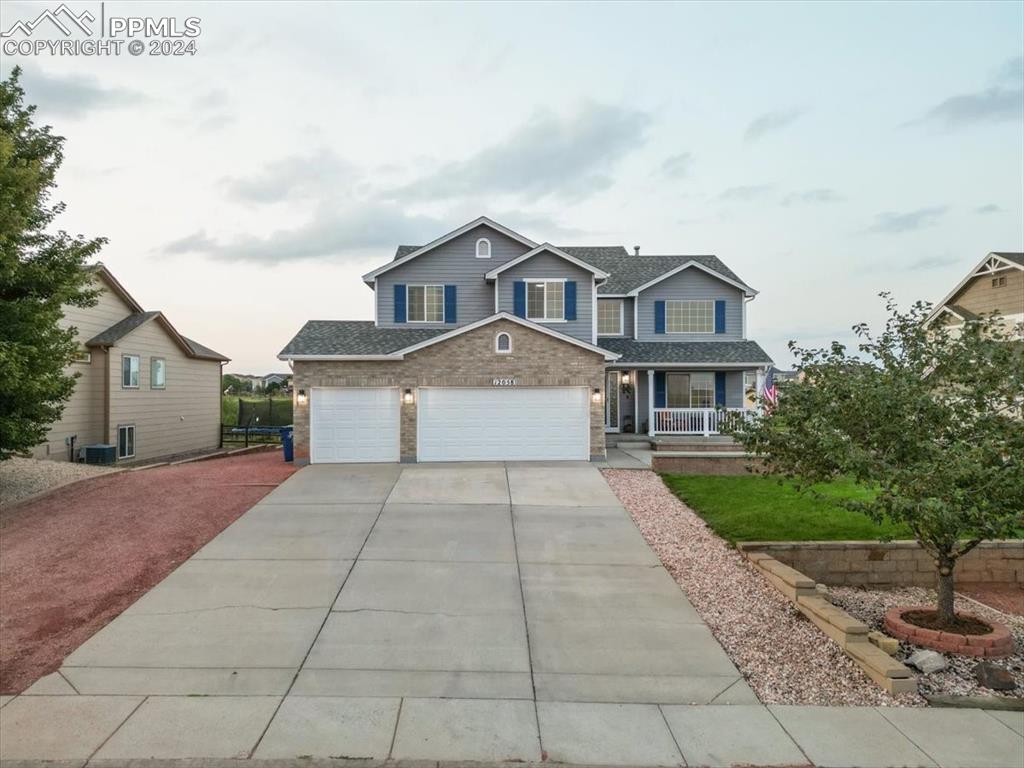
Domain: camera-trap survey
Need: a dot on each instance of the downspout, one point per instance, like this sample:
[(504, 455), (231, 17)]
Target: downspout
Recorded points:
[(106, 396)]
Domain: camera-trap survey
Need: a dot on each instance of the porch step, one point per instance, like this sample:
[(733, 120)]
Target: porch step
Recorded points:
[(700, 445), (638, 444)]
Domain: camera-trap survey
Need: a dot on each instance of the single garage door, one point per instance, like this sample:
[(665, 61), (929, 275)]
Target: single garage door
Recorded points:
[(503, 424), (353, 424)]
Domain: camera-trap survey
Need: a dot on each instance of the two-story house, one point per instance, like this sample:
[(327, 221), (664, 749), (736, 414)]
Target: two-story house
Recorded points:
[(994, 286), (141, 386), (488, 346)]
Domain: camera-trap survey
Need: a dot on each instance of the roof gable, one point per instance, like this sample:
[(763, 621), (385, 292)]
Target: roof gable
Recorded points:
[(993, 262), (401, 258), (133, 322), (628, 271), (547, 248)]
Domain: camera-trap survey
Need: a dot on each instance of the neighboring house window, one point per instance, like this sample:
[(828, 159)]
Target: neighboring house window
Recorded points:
[(690, 316), (690, 390), (483, 248), (545, 300), (129, 371), (426, 303), (126, 441), (998, 282), (503, 343), (157, 373), (82, 356), (609, 317)]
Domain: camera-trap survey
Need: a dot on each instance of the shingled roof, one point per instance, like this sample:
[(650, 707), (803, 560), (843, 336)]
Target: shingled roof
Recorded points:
[(354, 337), (123, 327), (1016, 258), (684, 351), (627, 271)]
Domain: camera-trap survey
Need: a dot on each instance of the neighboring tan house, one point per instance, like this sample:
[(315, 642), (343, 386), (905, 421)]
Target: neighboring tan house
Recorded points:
[(995, 285), (488, 346), (143, 387)]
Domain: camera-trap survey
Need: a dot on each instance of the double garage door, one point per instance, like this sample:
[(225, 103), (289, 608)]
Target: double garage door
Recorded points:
[(453, 424)]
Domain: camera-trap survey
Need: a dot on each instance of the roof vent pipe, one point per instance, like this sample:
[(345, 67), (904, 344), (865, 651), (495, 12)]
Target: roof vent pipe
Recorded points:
[(636, 250)]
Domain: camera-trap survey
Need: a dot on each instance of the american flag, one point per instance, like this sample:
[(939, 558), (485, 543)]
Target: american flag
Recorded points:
[(769, 391)]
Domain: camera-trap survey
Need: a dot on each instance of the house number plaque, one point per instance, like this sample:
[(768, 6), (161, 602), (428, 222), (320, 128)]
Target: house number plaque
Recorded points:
[(505, 382)]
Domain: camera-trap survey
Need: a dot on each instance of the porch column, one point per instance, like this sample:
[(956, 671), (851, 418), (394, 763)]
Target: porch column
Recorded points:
[(650, 403), (760, 389), (636, 401)]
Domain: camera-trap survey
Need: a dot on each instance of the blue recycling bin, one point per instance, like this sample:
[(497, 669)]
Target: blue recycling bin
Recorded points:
[(288, 443)]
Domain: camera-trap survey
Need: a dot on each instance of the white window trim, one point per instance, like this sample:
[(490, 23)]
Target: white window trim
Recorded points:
[(152, 361), (134, 434), (497, 347), (483, 240), (545, 280), (82, 357), (689, 333), (622, 317), (408, 304), (130, 386)]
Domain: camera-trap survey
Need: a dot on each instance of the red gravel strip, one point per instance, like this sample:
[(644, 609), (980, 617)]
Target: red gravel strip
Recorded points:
[(1008, 598), (782, 655), (73, 560)]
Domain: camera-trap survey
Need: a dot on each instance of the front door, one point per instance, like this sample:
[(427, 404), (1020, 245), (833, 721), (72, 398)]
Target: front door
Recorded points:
[(611, 396)]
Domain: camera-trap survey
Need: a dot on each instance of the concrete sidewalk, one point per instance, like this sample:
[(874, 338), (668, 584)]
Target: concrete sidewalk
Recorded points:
[(464, 612)]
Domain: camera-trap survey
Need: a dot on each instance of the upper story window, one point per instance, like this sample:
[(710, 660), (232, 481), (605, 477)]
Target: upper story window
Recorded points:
[(998, 282), (545, 299), (483, 248), (425, 303), (157, 373), (609, 317), (503, 343), (129, 371), (691, 316)]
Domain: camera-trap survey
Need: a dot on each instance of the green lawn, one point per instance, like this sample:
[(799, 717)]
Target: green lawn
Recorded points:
[(749, 508)]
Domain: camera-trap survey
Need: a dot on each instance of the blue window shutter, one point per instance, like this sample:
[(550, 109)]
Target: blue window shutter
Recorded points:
[(719, 316), (449, 304), (659, 388), (399, 303), (659, 320), (519, 298), (570, 299), (720, 389)]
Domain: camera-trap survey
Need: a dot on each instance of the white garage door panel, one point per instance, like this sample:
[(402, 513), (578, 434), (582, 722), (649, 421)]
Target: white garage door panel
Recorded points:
[(353, 425), (499, 424)]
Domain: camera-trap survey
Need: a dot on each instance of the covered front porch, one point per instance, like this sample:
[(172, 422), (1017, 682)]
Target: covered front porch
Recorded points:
[(698, 401)]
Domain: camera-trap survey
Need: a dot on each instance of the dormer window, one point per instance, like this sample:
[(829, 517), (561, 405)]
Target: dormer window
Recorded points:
[(503, 343), (483, 248)]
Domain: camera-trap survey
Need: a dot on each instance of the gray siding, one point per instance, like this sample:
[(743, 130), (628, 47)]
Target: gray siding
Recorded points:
[(691, 284), (545, 265), (454, 263), (627, 315)]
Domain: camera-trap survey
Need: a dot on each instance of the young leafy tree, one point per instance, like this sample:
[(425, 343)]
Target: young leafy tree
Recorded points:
[(930, 417), (40, 270)]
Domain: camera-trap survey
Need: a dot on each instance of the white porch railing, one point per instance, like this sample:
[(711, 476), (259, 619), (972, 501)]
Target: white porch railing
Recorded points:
[(697, 421)]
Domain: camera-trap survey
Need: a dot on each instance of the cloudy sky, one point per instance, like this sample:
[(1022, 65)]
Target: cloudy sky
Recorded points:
[(826, 152)]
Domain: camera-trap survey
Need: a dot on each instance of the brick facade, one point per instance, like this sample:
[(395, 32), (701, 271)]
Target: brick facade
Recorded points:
[(467, 360)]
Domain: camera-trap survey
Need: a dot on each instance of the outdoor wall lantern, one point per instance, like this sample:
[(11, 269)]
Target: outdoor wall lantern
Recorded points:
[(597, 395), (407, 397), (301, 397), (625, 379)]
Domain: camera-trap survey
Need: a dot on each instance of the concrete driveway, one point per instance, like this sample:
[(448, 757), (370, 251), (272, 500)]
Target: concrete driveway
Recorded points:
[(447, 612)]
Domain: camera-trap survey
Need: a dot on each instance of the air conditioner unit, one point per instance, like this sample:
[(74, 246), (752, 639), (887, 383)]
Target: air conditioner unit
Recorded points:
[(100, 454)]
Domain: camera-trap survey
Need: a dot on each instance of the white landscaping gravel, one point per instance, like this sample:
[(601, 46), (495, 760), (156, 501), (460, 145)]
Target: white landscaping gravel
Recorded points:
[(958, 678), (783, 656), (21, 478)]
